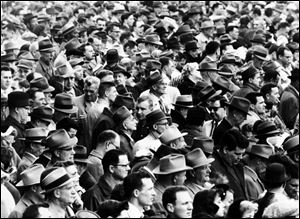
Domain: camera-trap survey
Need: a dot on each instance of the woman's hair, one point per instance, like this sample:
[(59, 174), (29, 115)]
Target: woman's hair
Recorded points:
[(189, 67), (204, 203)]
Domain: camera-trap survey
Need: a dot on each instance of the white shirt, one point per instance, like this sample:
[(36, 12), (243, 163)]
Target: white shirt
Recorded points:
[(132, 212)]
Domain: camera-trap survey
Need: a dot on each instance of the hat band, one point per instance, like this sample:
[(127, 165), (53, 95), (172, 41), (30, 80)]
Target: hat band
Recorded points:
[(57, 182), (260, 54), (267, 130), (40, 116), (62, 106), (210, 93), (35, 138), (184, 103)]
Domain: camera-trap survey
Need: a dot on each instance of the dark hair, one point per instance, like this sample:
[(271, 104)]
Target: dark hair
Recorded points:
[(67, 123), (212, 47), (111, 208), (215, 5), (111, 26), (221, 98), (33, 210), (107, 135), (267, 88), (257, 11), (282, 25), (32, 91), (111, 158), (204, 203), (232, 139), (230, 28), (268, 12), (252, 97), (5, 68), (164, 61), (129, 44), (169, 195), (103, 88), (280, 51), (234, 209), (125, 35), (222, 189), (133, 181)]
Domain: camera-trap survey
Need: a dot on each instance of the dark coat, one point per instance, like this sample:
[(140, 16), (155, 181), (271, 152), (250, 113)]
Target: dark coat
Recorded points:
[(289, 106), (126, 145), (178, 119), (18, 145), (97, 194), (246, 89), (86, 180), (46, 70), (185, 86), (219, 131), (235, 174), (141, 130)]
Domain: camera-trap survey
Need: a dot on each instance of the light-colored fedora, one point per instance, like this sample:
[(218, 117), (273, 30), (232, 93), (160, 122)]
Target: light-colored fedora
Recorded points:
[(170, 134), (185, 101), (31, 176), (171, 163), (262, 150), (196, 158)]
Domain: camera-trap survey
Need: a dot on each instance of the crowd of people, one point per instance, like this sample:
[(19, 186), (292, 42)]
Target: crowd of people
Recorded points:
[(178, 109)]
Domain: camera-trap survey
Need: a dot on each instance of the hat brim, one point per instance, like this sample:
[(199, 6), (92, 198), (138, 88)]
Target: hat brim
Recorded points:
[(260, 57), (73, 110), (21, 183), (227, 104), (47, 120), (154, 43), (206, 69), (87, 161), (157, 171), (65, 183), (225, 73), (207, 27), (23, 66), (183, 106), (49, 89), (208, 161), (269, 133)]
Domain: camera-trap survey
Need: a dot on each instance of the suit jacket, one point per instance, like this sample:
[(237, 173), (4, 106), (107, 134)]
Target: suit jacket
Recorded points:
[(253, 185), (126, 145), (29, 198), (289, 106), (18, 145), (95, 168), (220, 130), (185, 86), (235, 174), (178, 119), (158, 207), (141, 130), (46, 70)]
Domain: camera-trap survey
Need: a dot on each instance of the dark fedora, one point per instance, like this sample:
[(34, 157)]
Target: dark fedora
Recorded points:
[(18, 99), (154, 117), (35, 135), (66, 29), (208, 66), (124, 100), (196, 158), (267, 128), (275, 173), (45, 46), (81, 155), (112, 56), (76, 61), (220, 30), (186, 37), (121, 114), (191, 45), (173, 43), (153, 39), (24, 63), (44, 113), (28, 17), (183, 29), (64, 103), (229, 58), (226, 71), (291, 144), (205, 143), (185, 101), (258, 38), (260, 52), (9, 57), (239, 103), (122, 90), (225, 39), (249, 72), (294, 74), (120, 70), (222, 83), (207, 93), (261, 150), (41, 84), (59, 139), (193, 11), (154, 78)]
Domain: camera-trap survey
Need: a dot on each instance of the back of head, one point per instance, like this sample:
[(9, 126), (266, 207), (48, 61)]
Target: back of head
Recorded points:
[(111, 158), (232, 139), (206, 206), (133, 181)]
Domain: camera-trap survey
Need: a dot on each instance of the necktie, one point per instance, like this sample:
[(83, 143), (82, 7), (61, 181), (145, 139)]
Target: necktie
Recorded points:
[(162, 105), (214, 124)]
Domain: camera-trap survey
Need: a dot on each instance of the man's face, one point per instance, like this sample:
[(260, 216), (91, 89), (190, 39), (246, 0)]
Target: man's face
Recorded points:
[(112, 94), (160, 87), (202, 173), (234, 33), (67, 193), (287, 58), (194, 53), (147, 193), (161, 126), (91, 93), (39, 100), (6, 79), (256, 80), (234, 156), (130, 123), (37, 148), (180, 178), (66, 154), (47, 55), (89, 52), (115, 33), (260, 105), (273, 97), (209, 32), (23, 113), (170, 68), (101, 24), (48, 96), (292, 188), (139, 28), (142, 109), (122, 168), (130, 20), (183, 206), (119, 78), (180, 143), (218, 112)]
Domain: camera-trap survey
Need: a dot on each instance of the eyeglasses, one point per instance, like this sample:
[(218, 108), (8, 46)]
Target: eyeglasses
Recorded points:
[(163, 124), (213, 108), (89, 91), (122, 165)]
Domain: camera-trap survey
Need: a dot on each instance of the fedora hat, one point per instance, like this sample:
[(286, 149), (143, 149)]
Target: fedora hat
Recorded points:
[(275, 173), (10, 45), (119, 69), (239, 103), (43, 17), (223, 83), (44, 113), (183, 29), (154, 78), (220, 30), (261, 150), (112, 56), (153, 39), (186, 37), (41, 84), (45, 46), (225, 39), (54, 178), (185, 101), (291, 144), (67, 28), (193, 11), (171, 163), (249, 72), (65, 67), (27, 17), (191, 45), (31, 175), (59, 139), (8, 57), (226, 71), (267, 128), (154, 117), (23, 63), (81, 155), (64, 103), (205, 143), (229, 58), (35, 134), (173, 43), (121, 114), (196, 158), (170, 134), (259, 38), (260, 52), (123, 100), (86, 214), (208, 66), (207, 93), (18, 99), (27, 56), (207, 24)]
